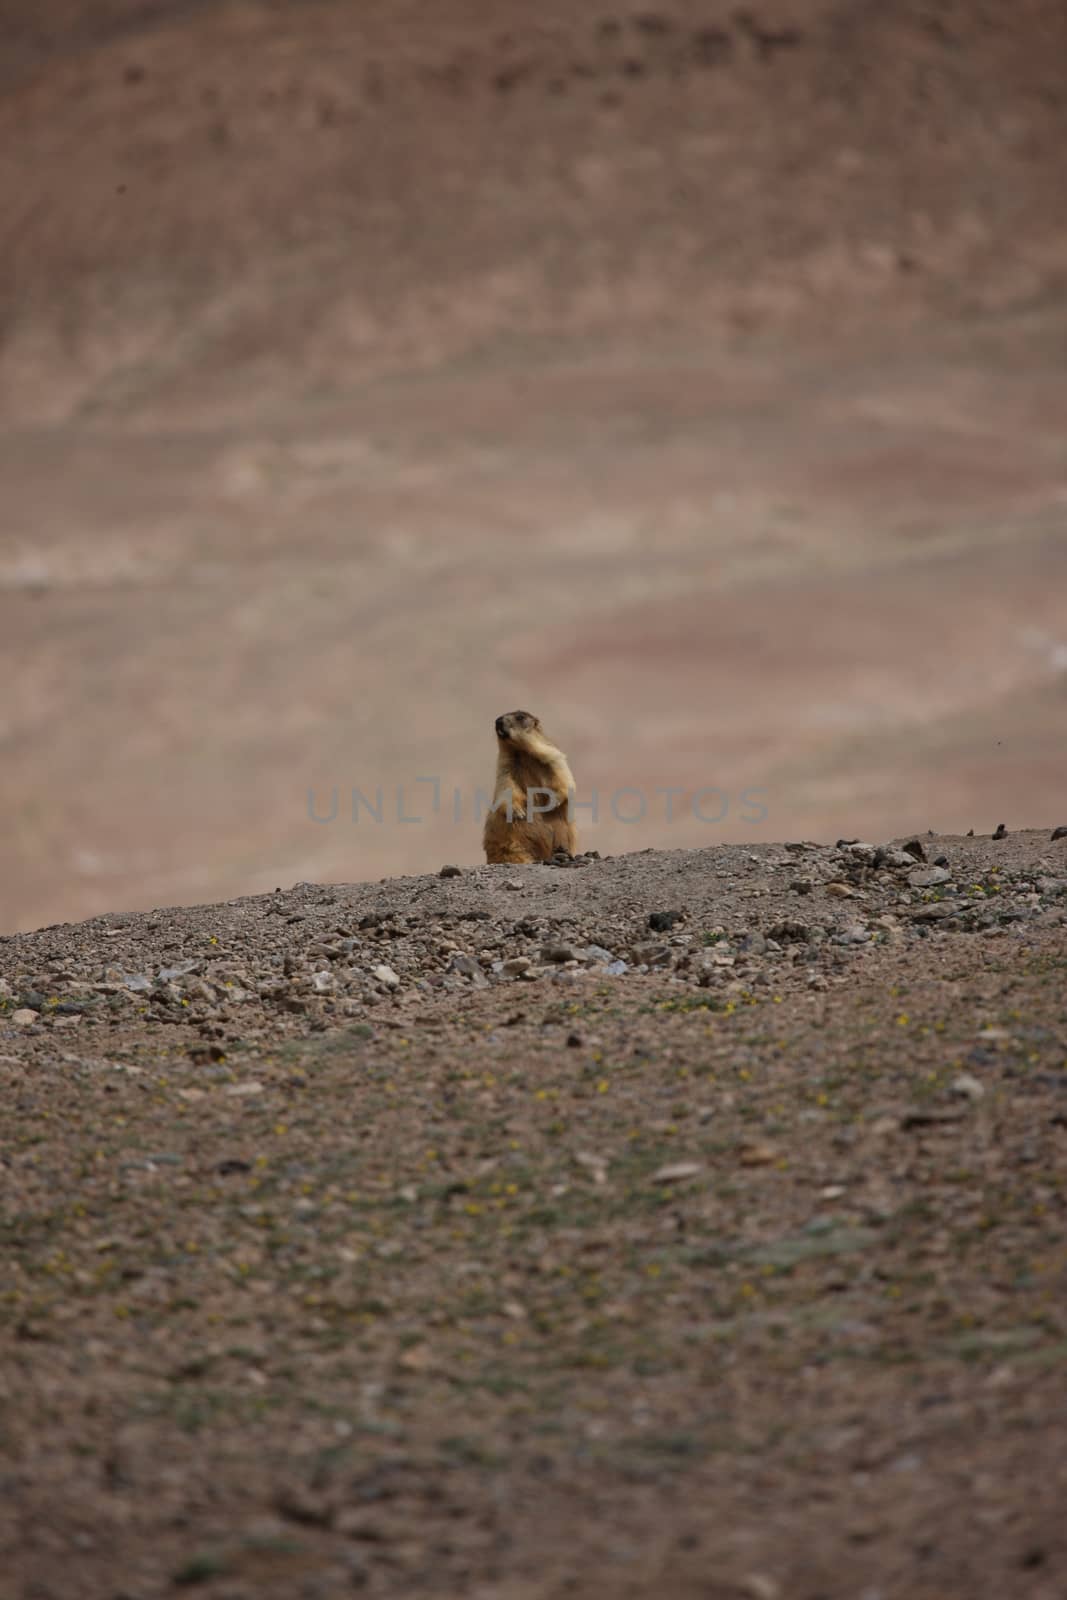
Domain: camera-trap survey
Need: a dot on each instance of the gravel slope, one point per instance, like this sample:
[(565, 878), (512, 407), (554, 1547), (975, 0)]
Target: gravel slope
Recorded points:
[(469, 1235)]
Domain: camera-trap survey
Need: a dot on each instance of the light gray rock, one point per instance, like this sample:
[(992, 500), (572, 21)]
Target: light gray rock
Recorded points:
[(928, 877), (652, 955)]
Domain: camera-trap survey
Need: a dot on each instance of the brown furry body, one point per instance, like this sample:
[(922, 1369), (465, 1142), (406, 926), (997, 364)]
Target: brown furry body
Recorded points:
[(527, 762)]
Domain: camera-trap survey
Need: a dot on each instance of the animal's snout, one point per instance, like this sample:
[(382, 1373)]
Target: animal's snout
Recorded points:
[(501, 728)]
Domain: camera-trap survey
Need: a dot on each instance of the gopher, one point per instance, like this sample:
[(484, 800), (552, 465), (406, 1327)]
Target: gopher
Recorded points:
[(534, 777)]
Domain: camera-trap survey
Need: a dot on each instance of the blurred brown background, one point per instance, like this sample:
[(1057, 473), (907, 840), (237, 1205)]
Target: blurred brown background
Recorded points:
[(689, 374)]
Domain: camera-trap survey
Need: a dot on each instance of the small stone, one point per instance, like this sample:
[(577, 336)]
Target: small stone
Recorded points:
[(664, 921), (615, 969), (179, 970), (596, 952), (1001, 831), (757, 1155), (916, 849), (677, 1172), (241, 1091), (802, 886), (652, 955), (514, 883), (322, 982), (515, 966), (450, 872), (928, 877), (761, 1586), (840, 891), (1059, 833), (967, 1086), (24, 1018), (597, 1166), (387, 976), (300, 1504), (420, 1358), (557, 953), (574, 1041)]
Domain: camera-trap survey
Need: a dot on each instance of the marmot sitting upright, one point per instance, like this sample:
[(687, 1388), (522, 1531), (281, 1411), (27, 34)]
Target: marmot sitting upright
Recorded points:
[(529, 820)]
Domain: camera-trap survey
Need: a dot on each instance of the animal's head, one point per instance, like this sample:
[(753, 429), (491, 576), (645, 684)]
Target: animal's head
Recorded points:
[(516, 727)]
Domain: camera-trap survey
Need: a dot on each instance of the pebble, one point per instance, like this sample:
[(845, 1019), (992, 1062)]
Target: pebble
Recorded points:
[(515, 966), (927, 877), (24, 1018), (450, 872), (677, 1172), (557, 953), (967, 1086), (1059, 833), (757, 1155), (664, 921), (652, 955), (387, 976), (841, 891), (761, 1586), (168, 974)]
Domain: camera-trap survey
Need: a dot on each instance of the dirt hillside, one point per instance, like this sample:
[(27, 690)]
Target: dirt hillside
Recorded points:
[(691, 374), (690, 1223), (207, 204)]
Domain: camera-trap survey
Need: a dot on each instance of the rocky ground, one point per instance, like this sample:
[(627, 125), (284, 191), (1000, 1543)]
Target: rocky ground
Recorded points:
[(688, 1223)]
